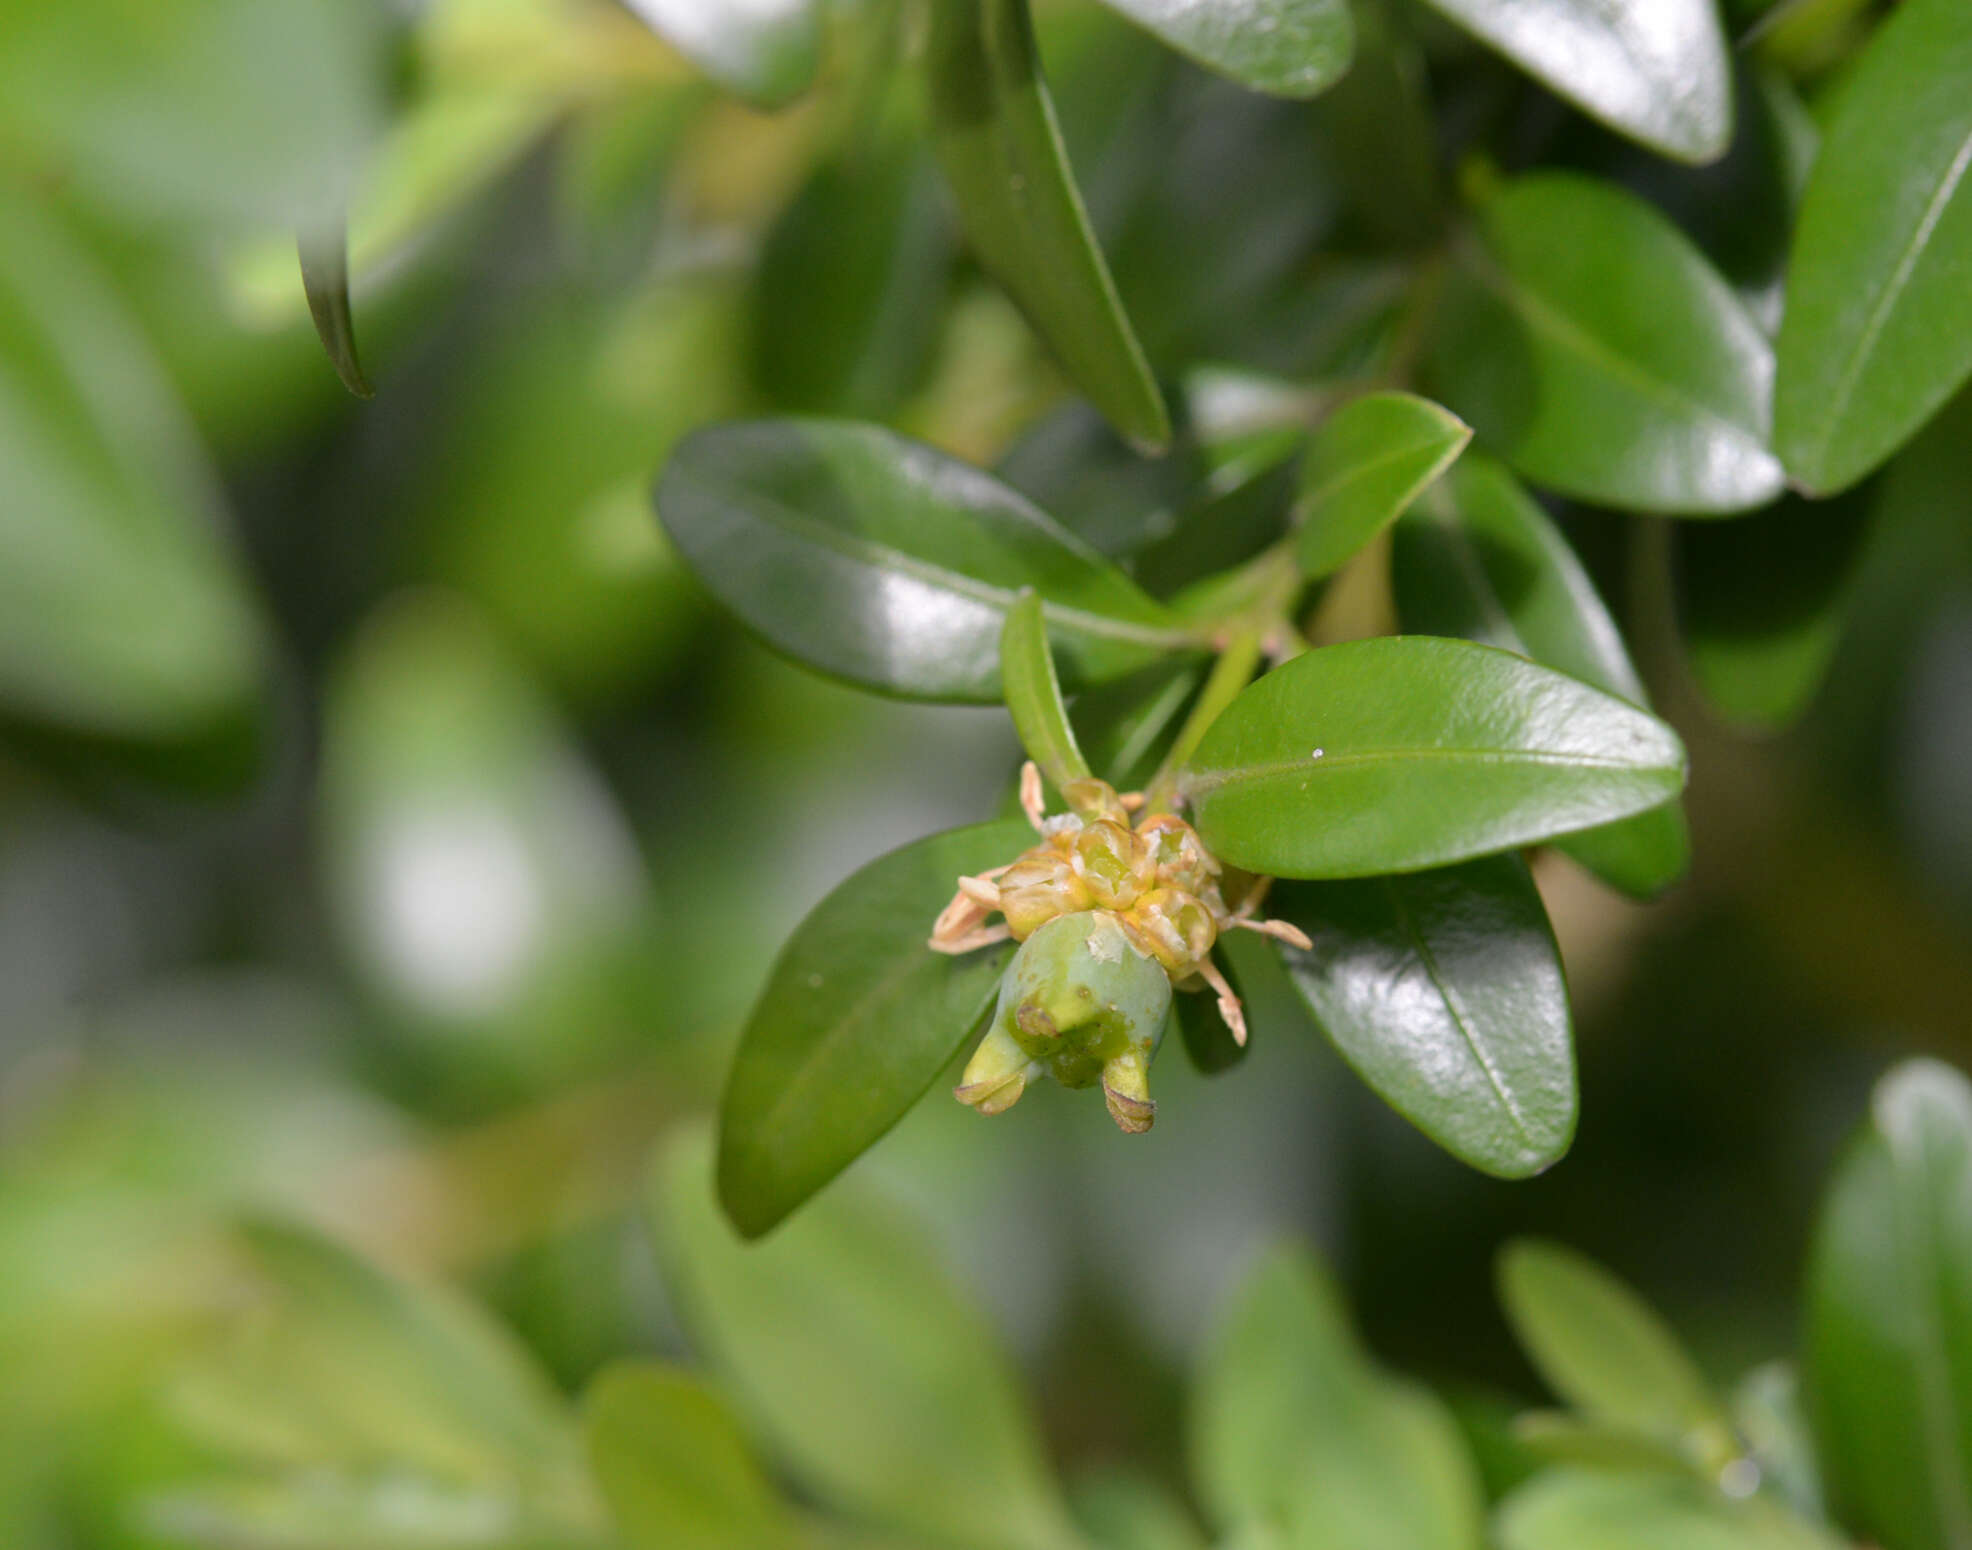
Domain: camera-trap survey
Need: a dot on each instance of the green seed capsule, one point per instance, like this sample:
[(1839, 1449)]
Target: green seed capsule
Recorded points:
[(1082, 1003)]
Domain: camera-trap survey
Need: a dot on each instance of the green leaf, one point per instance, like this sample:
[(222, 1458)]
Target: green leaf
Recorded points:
[(857, 1019), (1127, 1510), (882, 1391), (1593, 346), (1273, 1011), (1889, 1324), (124, 614), (1604, 1350), (884, 561), (1402, 753), (1366, 465), (1877, 331), (1077, 469), (1294, 1429), (1556, 1437), (1127, 724), (325, 279), (1034, 694), (852, 284), (1478, 558), (1288, 48), (1564, 1510), (994, 128), (1655, 70), (767, 51), (674, 1467), (1444, 991), (1759, 653)]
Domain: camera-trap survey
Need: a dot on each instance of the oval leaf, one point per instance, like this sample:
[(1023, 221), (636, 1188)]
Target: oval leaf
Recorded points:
[(1889, 1337), (1294, 1428), (1593, 346), (674, 1467), (1366, 465), (1289, 48), (1877, 331), (1444, 991), (858, 1018), (1604, 1350), (1408, 752), (882, 1391), (1655, 70), (1034, 694), (1478, 558), (1567, 1510), (325, 280), (886, 562), (993, 125), (767, 51), (1759, 652)]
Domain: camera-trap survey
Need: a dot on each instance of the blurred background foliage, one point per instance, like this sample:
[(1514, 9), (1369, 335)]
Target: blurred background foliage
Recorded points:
[(391, 836)]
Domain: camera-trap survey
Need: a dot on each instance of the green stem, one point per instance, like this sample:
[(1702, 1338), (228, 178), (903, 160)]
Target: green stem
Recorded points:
[(1230, 674)]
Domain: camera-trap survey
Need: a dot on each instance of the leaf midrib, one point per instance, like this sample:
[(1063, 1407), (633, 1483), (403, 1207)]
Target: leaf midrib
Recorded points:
[(1204, 782)]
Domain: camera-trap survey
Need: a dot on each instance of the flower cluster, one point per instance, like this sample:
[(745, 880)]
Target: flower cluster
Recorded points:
[(1112, 915)]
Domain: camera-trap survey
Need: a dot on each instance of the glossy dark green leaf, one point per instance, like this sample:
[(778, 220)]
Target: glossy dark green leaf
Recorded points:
[(674, 1467), (1590, 343), (1889, 1325), (857, 1019), (886, 562), (1365, 466), (1444, 991), (765, 50), (1877, 331), (1293, 1429), (1408, 752), (1567, 1510), (124, 615), (1655, 70), (325, 279), (852, 284), (1034, 694), (1604, 1350), (1478, 558), (1289, 48), (880, 1389), (994, 128), (1759, 653)]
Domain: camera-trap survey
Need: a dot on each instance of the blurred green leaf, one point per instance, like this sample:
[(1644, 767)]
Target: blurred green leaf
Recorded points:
[(1126, 724), (1877, 331), (1604, 1350), (1655, 70), (331, 1512), (1444, 991), (1365, 466), (1559, 1438), (1077, 469), (1478, 558), (1273, 1010), (857, 1019), (1590, 344), (884, 1393), (1580, 1511), (1397, 754), (482, 878), (1034, 695), (1294, 1431), (1760, 653), (1380, 134), (1289, 48), (888, 563), (123, 612), (765, 50), (325, 279), (852, 284), (1889, 1322), (994, 128), (240, 113), (675, 1468)]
